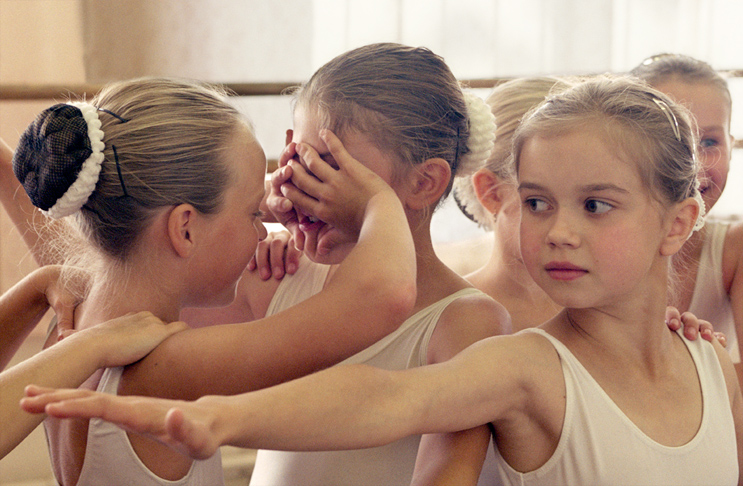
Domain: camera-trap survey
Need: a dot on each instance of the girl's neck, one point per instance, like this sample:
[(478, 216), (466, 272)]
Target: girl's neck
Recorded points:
[(630, 330), (117, 294), (504, 278), (434, 279)]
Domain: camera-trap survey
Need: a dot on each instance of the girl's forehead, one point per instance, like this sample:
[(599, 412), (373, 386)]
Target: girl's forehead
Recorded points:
[(588, 150), (700, 97)]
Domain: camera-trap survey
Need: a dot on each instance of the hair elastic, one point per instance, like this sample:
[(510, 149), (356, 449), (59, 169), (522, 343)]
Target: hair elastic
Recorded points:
[(80, 190), (671, 117)]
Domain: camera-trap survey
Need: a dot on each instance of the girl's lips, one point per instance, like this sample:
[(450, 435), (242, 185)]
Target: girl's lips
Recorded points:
[(564, 271), (308, 222)]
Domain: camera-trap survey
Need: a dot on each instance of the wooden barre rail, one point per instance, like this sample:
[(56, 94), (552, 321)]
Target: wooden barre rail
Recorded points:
[(24, 92), (20, 92)]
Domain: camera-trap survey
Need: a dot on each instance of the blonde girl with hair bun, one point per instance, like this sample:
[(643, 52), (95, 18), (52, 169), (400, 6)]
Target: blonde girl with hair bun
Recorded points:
[(167, 217)]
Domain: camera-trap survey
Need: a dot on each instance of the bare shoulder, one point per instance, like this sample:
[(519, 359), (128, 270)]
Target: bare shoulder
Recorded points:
[(728, 370), (465, 321), (732, 257), (523, 367)]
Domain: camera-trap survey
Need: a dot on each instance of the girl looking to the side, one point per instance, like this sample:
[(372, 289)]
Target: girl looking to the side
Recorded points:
[(603, 393)]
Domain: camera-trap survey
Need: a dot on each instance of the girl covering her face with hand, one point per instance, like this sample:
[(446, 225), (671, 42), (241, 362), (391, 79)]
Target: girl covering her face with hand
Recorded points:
[(399, 111), (603, 393)]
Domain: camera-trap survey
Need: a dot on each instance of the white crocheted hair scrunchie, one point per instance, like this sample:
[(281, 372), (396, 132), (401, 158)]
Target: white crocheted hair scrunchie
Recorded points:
[(80, 190), (482, 135), (701, 217), (481, 142)]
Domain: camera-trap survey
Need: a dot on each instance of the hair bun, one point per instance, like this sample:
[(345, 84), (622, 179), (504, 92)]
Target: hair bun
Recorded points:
[(58, 158)]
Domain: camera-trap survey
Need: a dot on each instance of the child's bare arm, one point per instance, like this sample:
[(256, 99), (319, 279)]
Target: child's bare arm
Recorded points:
[(24, 304), (451, 458), (345, 407), (35, 228), (735, 240), (70, 362)]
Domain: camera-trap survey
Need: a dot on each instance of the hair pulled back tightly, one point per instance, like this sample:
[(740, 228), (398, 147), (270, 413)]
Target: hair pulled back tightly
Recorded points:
[(59, 157)]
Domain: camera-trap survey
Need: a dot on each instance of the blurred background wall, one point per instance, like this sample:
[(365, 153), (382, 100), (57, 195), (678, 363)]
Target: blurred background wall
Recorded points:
[(65, 43)]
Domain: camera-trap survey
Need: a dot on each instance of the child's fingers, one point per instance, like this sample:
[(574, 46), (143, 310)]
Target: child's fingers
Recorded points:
[(289, 152), (673, 318), (37, 398), (721, 338), (262, 257), (292, 257), (277, 253), (188, 436), (305, 189), (313, 163), (336, 148)]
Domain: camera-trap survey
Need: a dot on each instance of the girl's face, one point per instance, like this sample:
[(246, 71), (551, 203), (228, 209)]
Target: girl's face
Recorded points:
[(322, 242), (712, 113), (233, 233), (590, 231)]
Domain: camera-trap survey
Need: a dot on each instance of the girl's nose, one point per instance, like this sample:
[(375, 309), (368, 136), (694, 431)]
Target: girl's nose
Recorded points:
[(563, 231)]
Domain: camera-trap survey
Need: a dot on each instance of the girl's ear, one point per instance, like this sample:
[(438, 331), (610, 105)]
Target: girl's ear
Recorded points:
[(681, 225), (181, 226), (428, 181), (489, 189)]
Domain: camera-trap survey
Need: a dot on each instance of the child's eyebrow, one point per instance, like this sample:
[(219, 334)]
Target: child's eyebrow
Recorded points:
[(604, 187), (607, 186), (530, 185)]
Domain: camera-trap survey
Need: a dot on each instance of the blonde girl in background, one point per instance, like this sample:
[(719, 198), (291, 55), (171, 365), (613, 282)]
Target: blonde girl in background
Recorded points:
[(603, 393), (161, 181), (490, 198), (709, 270)]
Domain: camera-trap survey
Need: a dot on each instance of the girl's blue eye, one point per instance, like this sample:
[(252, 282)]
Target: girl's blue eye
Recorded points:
[(597, 207), (708, 142), (536, 205)]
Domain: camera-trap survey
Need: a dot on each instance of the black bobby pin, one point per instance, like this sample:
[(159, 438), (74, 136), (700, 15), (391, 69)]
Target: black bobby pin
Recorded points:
[(455, 163), (118, 169), (120, 118)]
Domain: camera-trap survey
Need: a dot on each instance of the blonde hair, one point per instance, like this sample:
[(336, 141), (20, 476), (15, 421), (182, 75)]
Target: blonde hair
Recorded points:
[(642, 123), (164, 144), (509, 102), (405, 98), (656, 70)]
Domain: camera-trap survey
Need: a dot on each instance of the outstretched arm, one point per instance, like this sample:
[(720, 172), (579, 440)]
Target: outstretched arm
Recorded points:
[(344, 407), (71, 361), (452, 458), (24, 304)]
